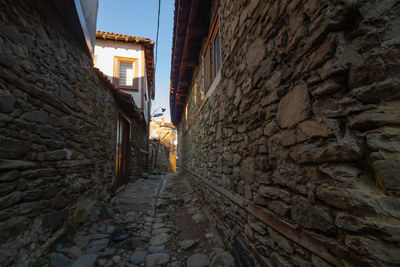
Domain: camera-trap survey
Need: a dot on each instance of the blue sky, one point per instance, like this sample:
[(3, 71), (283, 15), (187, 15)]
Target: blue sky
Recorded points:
[(138, 17)]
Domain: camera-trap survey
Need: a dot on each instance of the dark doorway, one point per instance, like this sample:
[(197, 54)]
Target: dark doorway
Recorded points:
[(122, 159)]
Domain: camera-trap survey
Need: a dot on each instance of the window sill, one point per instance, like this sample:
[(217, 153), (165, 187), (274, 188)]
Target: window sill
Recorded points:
[(127, 88)]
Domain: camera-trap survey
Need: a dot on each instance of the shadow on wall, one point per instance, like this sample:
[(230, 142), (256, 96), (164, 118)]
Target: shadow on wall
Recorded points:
[(159, 157)]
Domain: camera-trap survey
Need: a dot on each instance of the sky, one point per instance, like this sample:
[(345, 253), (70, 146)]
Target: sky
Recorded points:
[(139, 18)]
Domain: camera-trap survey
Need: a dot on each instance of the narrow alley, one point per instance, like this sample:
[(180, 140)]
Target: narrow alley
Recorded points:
[(152, 222), (200, 133)]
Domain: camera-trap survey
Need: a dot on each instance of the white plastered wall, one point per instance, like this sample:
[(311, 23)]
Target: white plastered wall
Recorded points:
[(106, 50)]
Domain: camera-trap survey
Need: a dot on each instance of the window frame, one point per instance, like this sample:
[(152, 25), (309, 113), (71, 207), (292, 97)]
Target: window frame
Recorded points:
[(135, 82), (211, 77)]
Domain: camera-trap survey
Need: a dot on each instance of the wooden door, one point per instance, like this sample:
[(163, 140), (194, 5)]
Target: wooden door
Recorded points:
[(122, 159)]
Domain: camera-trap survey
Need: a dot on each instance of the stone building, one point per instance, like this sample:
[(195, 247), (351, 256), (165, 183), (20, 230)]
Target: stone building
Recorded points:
[(163, 146), (128, 63), (58, 126), (288, 118)]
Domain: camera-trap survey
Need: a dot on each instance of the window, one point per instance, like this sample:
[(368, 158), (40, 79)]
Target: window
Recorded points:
[(212, 56), (126, 73)]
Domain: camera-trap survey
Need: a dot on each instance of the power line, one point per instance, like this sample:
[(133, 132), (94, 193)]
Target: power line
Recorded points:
[(158, 28)]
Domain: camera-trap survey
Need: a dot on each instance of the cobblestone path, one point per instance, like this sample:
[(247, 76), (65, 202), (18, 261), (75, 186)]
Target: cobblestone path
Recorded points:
[(153, 222)]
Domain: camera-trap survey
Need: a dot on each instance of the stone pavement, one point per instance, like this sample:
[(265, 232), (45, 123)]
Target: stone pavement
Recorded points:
[(152, 222)]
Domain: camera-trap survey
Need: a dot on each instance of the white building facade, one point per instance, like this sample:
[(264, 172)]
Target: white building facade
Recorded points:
[(128, 63)]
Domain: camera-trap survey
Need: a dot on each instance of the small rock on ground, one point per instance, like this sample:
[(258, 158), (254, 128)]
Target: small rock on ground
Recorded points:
[(75, 252), (81, 241), (187, 244), (59, 260), (198, 260), (155, 249), (223, 259), (138, 257), (160, 239), (160, 231), (198, 217), (86, 260), (156, 259)]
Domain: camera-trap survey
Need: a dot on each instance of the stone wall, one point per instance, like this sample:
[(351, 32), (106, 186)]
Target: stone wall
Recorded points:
[(164, 136), (57, 131), (297, 151), (138, 145), (159, 156)]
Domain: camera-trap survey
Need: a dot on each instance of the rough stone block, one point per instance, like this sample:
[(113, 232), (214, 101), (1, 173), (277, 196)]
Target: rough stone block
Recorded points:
[(67, 97), (13, 149), (287, 138), (271, 128), (343, 173), (379, 91), (378, 142), (372, 119), (271, 98), (36, 116), (328, 87), (374, 248), (337, 152), (7, 188), (7, 103), (247, 169), (294, 107), (279, 208), (312, 216), (56, 155), (12, 226), (309, 129), (349, 222), (10, 199), (274, 193), (255, 54), (9, 176), (387, 173)]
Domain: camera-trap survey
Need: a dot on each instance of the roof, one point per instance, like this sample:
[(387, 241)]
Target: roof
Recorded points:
[(148, 52), (123, 37), (162, 124), (191, 26), (124, 101)]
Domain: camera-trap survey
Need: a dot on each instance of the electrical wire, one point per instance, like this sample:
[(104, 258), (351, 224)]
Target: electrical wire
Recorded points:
[(158, 29)]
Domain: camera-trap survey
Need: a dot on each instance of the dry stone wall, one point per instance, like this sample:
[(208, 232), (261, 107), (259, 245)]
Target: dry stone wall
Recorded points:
[(57, 131), (138, 145), (297, 151)]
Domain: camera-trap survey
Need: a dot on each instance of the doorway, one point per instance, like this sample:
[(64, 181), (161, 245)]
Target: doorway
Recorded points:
[(122, 155)]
